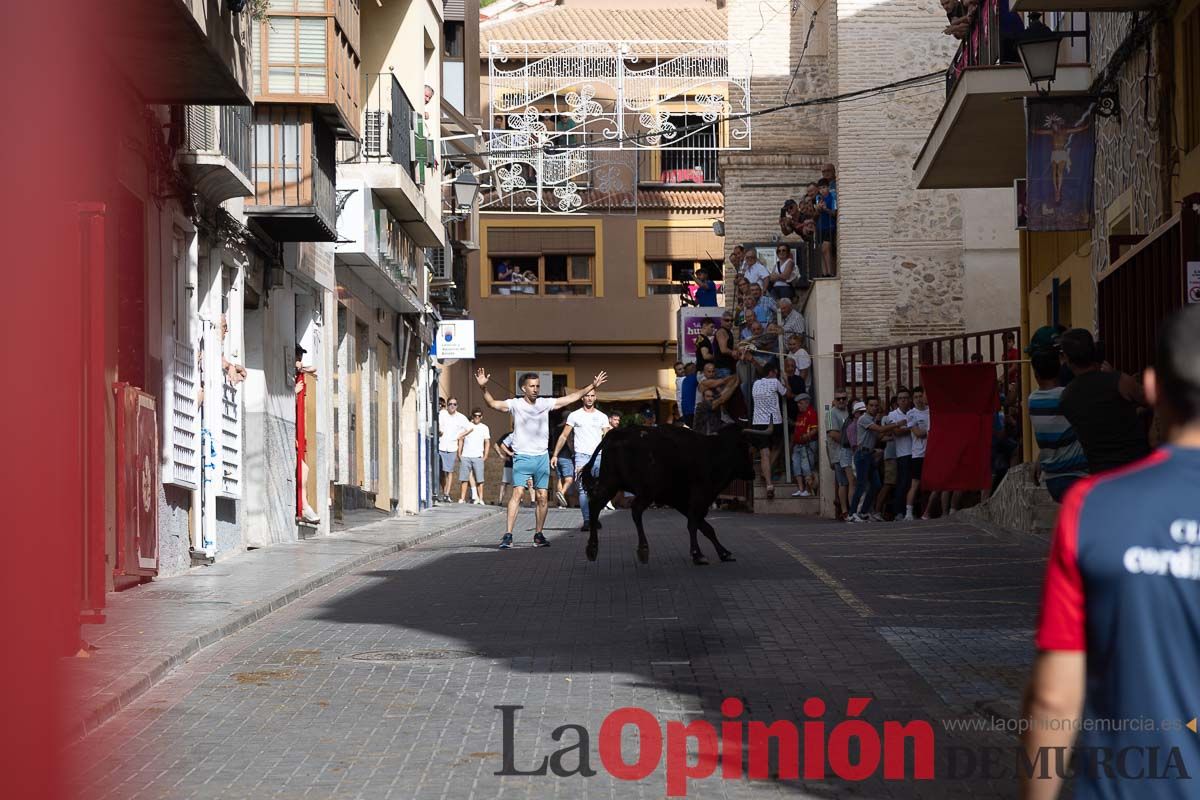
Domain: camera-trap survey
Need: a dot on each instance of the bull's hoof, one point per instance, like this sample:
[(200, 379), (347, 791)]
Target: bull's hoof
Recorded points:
[(699, 560), (643, 555), (726, 556), (591, 551)]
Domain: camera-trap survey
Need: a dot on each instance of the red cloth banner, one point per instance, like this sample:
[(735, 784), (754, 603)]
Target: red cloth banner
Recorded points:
[(963, 401)]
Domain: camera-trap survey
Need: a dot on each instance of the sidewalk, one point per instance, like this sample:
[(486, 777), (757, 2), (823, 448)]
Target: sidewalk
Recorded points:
[(154, 627)]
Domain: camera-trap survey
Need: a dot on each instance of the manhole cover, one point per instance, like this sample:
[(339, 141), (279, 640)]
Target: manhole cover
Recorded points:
[(392, 656)]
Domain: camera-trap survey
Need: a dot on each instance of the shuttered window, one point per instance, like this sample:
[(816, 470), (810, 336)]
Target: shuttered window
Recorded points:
[(297, 50)]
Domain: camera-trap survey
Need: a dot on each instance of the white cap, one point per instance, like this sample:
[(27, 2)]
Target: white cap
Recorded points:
[(859, 405)]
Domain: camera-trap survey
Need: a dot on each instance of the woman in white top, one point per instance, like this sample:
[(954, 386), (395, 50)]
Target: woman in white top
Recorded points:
[(767, 414), (780, 280)]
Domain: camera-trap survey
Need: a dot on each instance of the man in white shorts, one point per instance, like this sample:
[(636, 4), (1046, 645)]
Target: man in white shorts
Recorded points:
[(589, 425), (473, 445), (531, 434)]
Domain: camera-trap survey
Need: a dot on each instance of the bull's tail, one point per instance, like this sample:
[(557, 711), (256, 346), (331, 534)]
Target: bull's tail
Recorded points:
[(588, 480)]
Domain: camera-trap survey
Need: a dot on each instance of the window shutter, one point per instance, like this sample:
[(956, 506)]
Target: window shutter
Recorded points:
[(230, 440), (181, 416)]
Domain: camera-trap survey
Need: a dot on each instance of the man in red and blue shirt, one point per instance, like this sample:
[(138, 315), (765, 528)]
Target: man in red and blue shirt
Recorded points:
[(1118, 668)]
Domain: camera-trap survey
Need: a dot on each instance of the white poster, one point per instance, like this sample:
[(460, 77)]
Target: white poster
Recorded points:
[(1193, 281), (455, 339)]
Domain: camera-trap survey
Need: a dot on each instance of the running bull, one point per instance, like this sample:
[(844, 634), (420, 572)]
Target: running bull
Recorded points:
[(671, 466)]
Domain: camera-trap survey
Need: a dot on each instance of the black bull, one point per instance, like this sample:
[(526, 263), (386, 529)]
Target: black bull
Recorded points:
[(670, 466)]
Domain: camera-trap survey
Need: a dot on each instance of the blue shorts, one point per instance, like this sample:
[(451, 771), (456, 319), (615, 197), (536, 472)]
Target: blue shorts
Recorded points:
[(839, 475), (566, 467), (536, 467), (448, 459)]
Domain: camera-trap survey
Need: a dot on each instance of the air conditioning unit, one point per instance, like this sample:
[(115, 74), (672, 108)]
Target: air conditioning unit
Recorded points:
[(377, 136), (441, 259)]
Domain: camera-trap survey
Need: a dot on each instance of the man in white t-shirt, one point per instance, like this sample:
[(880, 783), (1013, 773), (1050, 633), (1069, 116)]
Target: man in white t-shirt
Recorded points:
[(450, 425), (752, 270), (589, 424), (473, 445), (918, 428), (903, 442), (531, 433)]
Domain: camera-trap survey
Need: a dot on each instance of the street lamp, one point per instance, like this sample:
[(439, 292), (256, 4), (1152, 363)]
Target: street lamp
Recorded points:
[(1039, 56), (466, 189)]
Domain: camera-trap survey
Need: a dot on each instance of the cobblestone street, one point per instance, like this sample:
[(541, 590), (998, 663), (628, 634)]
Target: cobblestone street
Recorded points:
[(384, 683)]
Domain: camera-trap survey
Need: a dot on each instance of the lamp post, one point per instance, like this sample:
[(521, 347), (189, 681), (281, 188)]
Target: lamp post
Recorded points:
[(1039, 56)]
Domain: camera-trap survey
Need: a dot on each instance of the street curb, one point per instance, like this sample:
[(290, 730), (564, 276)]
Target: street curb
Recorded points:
[(97, 716)]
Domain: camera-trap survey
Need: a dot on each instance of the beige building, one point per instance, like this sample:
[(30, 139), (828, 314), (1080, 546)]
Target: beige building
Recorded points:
[(604, 283)]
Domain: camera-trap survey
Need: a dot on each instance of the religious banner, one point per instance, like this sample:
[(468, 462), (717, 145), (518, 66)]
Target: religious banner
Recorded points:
[(963, 401), (1060, 160)]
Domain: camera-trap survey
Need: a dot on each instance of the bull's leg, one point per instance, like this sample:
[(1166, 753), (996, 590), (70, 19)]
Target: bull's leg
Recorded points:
[(643, 548), (694, 521), (601, 495), (711, 534)]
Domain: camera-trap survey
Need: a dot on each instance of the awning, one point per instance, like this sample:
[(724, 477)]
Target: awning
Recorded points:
[(643, 393)]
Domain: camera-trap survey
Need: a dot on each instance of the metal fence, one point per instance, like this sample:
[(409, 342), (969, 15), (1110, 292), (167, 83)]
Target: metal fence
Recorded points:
[(881, 370)]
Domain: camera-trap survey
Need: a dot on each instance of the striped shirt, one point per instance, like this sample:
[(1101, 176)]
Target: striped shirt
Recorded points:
[(1059, 452)]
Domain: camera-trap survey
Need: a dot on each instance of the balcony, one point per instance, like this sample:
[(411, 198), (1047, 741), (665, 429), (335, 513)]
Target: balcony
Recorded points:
[(978, 140), (292, 172), (1085, 5), (216, 149), (394, 159), (376, 248), (182, 51), (307, 51)]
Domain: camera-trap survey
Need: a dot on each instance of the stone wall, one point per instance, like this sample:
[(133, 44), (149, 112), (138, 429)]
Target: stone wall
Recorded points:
[(899, 249), (1128, 154)]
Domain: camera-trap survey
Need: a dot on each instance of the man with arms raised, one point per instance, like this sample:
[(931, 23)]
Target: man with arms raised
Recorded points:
[(1120, 608), (589, 425), (531, 433)]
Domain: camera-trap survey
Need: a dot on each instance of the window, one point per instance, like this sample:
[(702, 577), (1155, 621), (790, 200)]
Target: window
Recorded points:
[(689, 157), (454, 42), (668, 277), (542, 261), (549, 274), (296, 54)]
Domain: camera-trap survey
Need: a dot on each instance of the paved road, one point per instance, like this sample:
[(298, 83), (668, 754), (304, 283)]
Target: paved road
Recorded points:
[(930, 620)]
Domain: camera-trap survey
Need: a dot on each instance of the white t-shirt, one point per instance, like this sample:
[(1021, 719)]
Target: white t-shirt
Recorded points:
[(531, 425), (918, 418), (802, 358), (766, 393), (679, 391), (756, 274), (449, 427), (903, 441), (589, 429), (473, 444)]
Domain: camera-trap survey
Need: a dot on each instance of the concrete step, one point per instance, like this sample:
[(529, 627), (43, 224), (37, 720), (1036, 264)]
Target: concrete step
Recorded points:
[(785, 504)]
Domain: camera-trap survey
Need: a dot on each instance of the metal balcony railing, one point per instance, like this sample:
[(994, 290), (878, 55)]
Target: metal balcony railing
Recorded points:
[(392, 130), (220, 129), (996, 30)]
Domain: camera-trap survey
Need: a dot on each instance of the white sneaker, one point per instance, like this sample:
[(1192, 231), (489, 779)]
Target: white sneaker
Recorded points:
[(561, 498), (461, 502), (853, 518), (799, 493), (476, 502), (909, 518), (876, 517)]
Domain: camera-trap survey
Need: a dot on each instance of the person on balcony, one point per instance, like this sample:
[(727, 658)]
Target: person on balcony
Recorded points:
[(827, 211)]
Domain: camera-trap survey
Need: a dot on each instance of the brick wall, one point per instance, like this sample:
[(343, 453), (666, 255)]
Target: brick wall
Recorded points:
[(788, 146), (899, 249)]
